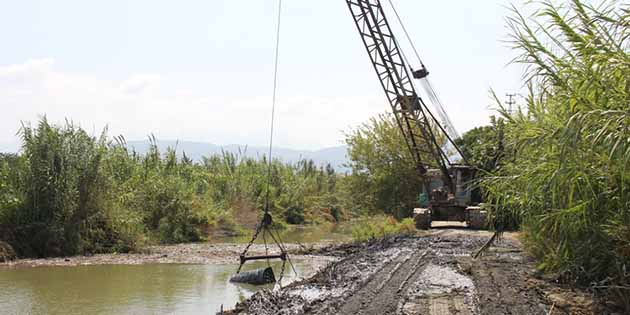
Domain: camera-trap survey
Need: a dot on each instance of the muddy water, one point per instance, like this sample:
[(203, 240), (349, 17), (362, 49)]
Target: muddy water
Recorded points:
[(126, 289)]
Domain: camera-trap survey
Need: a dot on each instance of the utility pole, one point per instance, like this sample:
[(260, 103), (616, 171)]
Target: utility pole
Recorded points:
[(510, 102)]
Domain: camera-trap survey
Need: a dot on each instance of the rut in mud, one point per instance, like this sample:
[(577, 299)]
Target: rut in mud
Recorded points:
[(433, 274)]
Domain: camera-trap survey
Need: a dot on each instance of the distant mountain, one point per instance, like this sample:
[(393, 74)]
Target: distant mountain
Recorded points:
[(336, 156)]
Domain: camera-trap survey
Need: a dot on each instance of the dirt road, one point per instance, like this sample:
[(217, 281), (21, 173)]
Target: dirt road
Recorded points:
[(430, 274)]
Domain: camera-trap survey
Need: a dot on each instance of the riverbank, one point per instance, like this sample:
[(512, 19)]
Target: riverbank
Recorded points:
[(430, 273), (193, 253)]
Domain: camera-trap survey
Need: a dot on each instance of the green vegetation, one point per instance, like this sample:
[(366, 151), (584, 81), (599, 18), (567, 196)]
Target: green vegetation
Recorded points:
[(69, 193), (484, 146), (381, 226), (566, 174), (558, 168), (54, 197), (484, 149), (384, 176)]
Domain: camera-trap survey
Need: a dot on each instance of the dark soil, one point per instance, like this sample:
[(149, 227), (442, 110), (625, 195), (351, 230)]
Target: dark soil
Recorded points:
[(430, 274)]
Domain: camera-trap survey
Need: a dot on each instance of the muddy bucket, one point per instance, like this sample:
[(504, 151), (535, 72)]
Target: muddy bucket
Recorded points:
[(256, 277)]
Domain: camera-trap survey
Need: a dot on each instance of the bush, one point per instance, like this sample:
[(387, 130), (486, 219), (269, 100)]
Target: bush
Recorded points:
[(384, 176), (294, 215), (69, 193), (57, 196), (381, 226)]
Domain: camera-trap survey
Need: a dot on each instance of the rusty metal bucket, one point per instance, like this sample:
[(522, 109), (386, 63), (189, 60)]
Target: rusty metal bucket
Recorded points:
[(256, 277)]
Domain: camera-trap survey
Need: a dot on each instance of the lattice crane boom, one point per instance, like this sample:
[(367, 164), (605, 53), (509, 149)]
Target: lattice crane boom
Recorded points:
[(415, 121)]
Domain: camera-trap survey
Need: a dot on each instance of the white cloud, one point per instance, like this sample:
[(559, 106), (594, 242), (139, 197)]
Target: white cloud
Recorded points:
[(140, 83), (28, 73), (30, 67), (144, 104), (222, 107)]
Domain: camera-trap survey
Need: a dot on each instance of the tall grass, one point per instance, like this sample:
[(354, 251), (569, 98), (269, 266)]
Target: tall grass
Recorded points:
[(566, 174), (367, 229), (70, 193), (57, 196)]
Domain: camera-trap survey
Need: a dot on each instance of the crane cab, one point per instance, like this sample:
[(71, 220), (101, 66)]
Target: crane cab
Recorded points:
[(447, 205)]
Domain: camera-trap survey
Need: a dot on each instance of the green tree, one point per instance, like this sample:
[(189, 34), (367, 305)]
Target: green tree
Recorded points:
[(384, 175), (484, 146)]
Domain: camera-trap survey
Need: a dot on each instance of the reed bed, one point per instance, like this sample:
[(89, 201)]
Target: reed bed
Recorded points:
[(565, 176)]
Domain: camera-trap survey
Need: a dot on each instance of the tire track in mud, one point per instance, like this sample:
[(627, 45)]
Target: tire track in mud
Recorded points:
[(421, 281), (383, 293), (414, 283), (505, 299), (427, 274)]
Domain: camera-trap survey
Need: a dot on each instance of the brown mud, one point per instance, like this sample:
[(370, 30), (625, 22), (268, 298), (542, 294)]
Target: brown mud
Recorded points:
[(429, 274)]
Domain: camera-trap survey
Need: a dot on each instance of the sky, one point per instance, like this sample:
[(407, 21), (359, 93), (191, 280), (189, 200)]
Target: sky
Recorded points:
[(202, 70)]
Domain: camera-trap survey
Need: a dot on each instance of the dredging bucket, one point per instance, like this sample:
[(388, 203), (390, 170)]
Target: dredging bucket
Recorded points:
[(256, 277)]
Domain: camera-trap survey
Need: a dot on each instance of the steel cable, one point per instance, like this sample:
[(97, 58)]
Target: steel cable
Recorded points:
[(264, 224), (273, 105), (427, 86)]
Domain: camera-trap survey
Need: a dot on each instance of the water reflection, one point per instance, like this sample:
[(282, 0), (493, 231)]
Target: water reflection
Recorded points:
[(127, 289)]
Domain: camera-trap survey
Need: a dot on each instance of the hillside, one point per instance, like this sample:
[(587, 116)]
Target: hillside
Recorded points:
[(336, 156)]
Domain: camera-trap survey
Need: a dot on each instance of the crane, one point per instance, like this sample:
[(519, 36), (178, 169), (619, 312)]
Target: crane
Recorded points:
[(445, 180)]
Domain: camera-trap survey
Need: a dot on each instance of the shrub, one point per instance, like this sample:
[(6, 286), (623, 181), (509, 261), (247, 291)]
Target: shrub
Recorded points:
[(69, 193), (381, 226), (294, 215), (58, 195)]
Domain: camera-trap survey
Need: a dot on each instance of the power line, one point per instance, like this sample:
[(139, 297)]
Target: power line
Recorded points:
[(510, 102)]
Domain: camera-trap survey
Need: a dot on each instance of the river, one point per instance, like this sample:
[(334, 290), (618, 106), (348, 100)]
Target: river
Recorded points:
[(144, 288)]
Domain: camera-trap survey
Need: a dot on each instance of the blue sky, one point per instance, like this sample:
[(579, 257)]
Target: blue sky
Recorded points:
[(202, 70)]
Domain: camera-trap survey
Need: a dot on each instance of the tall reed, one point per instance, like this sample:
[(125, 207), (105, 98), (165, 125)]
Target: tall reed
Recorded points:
[(566, 173)]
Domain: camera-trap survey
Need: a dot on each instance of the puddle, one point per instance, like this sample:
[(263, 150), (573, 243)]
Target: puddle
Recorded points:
[(437, 279), (441, 290)]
